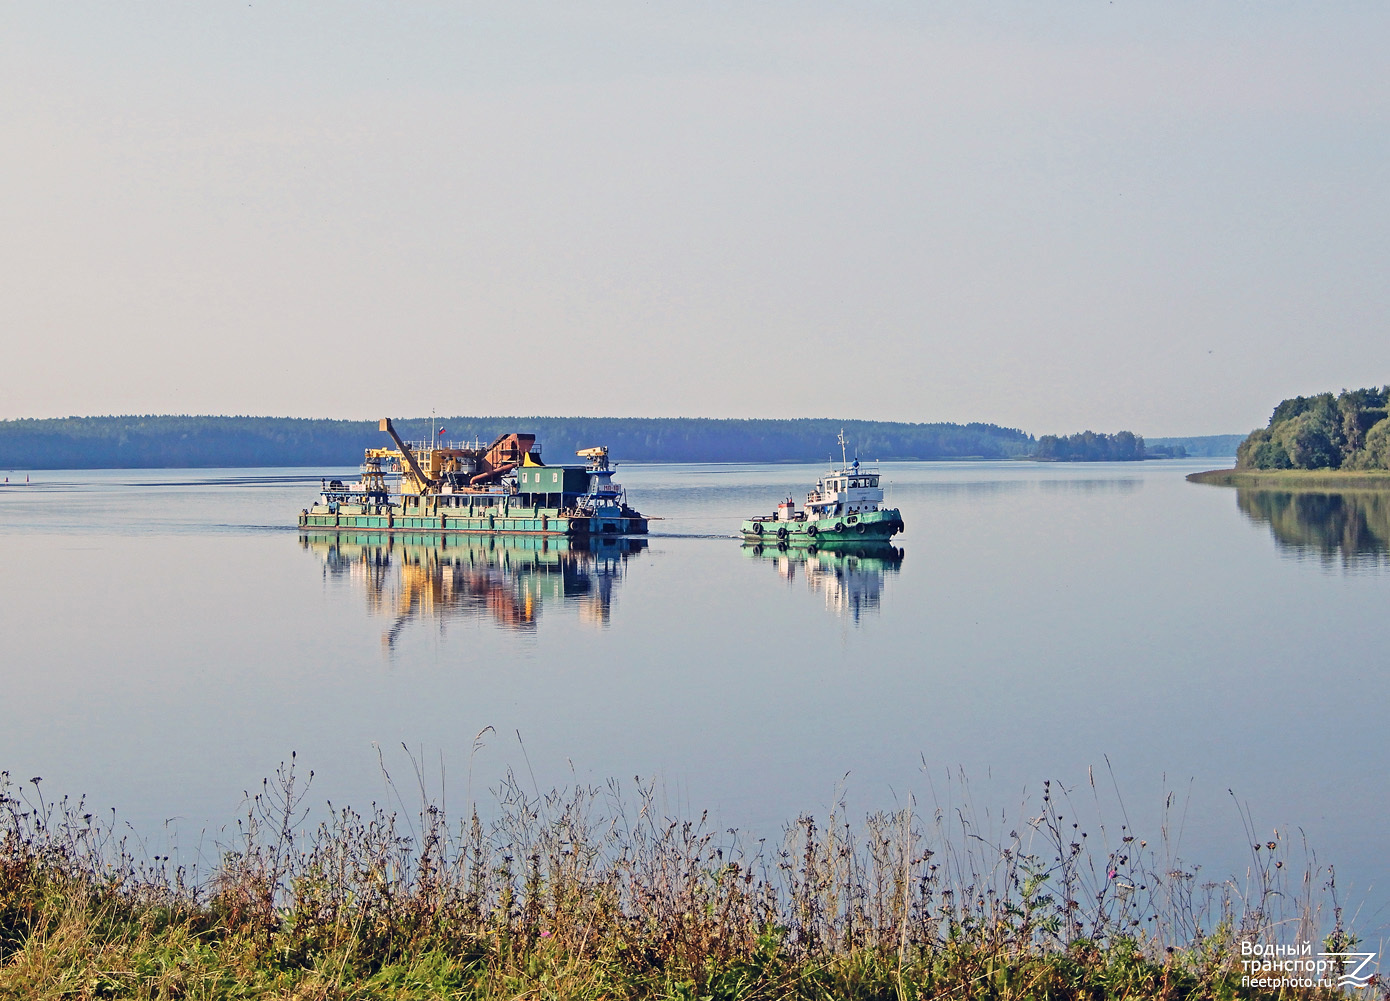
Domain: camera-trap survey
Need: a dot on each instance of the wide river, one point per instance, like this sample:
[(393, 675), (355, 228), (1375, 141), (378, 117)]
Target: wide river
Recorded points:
[(168, 639)]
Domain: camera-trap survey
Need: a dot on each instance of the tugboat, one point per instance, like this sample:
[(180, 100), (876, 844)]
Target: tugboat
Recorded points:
[(844, 507), (461, 487)]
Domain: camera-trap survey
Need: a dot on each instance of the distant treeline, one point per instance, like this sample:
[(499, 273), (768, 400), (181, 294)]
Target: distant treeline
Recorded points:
[(1199, 446), (180, 441), (1088, 446), (1349, 431)]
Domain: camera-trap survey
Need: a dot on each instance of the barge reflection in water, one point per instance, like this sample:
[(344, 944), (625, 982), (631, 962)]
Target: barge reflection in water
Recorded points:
[(850, 576), (506, 579)]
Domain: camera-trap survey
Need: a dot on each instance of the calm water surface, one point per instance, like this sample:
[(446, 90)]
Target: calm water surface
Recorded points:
[(168, 641)]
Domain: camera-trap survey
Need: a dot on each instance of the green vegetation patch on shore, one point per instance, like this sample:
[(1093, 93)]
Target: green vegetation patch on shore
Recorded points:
[(1296, 479), (1348, 431), (595, 893)]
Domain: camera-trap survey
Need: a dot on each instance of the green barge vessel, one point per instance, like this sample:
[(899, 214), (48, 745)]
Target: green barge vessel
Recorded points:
[(844, 507), (434, 487)]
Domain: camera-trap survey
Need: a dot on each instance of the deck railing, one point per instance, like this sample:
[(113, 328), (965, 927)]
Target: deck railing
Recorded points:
[(426, 445)]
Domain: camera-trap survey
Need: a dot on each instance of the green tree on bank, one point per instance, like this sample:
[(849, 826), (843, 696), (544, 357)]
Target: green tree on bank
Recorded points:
[(1349, 431)]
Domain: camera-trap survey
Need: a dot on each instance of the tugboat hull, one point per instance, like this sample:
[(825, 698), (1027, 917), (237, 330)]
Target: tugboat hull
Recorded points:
[(866, 526)]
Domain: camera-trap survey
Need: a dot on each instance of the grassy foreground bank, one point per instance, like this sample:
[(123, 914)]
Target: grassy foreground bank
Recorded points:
[(1296, 479), (594, 893)]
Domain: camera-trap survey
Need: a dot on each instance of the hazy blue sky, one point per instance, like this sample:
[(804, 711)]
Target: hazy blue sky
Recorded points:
[(1162, 216)]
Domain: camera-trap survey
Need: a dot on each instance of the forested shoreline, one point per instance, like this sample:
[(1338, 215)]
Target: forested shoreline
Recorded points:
[(176, 441), (192, 441)]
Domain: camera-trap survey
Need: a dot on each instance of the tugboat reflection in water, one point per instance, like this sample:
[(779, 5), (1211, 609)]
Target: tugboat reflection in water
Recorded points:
[(851, 577), (506, 579)]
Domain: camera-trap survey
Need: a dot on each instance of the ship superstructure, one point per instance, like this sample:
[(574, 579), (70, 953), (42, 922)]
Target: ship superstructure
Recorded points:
[(436, 486)]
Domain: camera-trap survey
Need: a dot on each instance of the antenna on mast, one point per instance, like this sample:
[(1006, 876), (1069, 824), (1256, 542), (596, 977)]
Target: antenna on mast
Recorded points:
[(844, 460)]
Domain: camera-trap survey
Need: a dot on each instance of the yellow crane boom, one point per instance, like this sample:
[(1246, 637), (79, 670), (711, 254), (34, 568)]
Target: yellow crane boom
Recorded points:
[(427, 485)]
